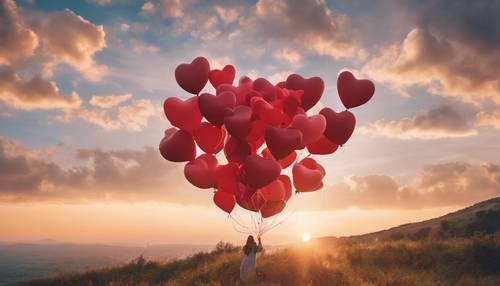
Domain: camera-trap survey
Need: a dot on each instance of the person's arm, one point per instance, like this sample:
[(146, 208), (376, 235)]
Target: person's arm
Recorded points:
[(259, 247)]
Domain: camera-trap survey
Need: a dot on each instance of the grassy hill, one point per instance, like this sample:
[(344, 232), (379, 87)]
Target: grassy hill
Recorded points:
[(465, 251)]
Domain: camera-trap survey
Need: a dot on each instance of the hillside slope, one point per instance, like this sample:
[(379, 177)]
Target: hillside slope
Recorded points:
[(480, 218)]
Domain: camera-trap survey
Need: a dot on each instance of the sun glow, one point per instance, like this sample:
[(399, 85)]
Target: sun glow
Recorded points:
[(306, 236)]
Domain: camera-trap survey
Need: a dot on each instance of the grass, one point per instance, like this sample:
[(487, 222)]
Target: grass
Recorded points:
[(466, 261)]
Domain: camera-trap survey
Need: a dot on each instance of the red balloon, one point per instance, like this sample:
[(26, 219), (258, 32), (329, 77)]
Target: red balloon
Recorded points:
[(201, 171), (236, 150), (292, 102), (281, 84), (313, 89), (239, 123), (194, 76), (259, 171), (267, 112), (312, 127), (257, 130), (227, 178), (267, 89), (339, 126), (183, 114), (354, 92), (225, 201), (210, 138), (282, 141), (272, 208), (308, 175), (178, 146), (245, 80), (322, 147), (288, 186), (215, 107), (275, 191), (226, 75), (285, 162)]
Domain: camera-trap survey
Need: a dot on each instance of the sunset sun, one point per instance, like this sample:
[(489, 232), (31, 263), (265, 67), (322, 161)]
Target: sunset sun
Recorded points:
[(306, 236)]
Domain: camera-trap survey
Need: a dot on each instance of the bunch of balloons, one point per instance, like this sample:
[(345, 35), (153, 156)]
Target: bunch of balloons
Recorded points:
[(260, 127)]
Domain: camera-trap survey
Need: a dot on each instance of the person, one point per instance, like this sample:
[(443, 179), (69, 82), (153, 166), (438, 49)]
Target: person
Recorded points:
[(247, 266)]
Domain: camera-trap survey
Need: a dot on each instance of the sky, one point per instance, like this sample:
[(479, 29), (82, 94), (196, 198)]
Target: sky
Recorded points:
[(82, 85)]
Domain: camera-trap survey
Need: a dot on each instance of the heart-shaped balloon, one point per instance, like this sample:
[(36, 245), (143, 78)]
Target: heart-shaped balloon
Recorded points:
[(292, 101), (250, 199), (194, 76), (271, 208), (215, 107), (275, 191), (313, 89), (257, 130), (308, 175), (284, 162), (201, 171), (225, 201), (266, 111), (339, 126), (236, 150), (227, 178), (282, 141), (287, 183), (183, 114), (322, 147), (210, 138), (224, 76), (267, 89), (354, 92), (259, 171), (178, 146), (239, 122), (312, 127)]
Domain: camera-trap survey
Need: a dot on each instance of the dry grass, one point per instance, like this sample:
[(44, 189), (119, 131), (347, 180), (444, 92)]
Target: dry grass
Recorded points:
[(474, 261)]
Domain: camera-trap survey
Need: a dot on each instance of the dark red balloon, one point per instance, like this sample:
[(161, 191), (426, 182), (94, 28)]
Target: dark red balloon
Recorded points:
[(215, 107), (267, 89), (224, 76), (194, 76), (239, 122), (322, 147), (284, 162), (250, 199), (183, 114), (275, 191), (178, 147), (282, 141), (236, 150), (339, 126), (227, 178), (354, 92), (259, 171), (225, 201), (313, 89), (271, 208), (201, 171), (267, 112), (288, 186), (210, 138)]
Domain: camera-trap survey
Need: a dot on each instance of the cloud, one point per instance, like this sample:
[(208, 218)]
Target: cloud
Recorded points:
[(453, 50), (441, 122), (135, 175), (101, 2), (489, 119), (107, 101), (36, 93), (449, 184), (132, 117), (67, 37), (172, 8), (147, 7), (289, 55), (17, 40)]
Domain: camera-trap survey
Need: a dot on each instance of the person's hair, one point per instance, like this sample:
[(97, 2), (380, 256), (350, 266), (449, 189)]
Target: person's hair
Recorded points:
[(249, 245)]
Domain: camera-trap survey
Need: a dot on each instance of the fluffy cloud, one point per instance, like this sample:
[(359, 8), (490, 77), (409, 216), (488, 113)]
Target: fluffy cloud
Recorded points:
[(454, 50), (172, 8), (442, 122), (107, 101), (67, 37), (132, 117), (36, 93), (26, 175), (449, 184), (18, 41), (489, 119)]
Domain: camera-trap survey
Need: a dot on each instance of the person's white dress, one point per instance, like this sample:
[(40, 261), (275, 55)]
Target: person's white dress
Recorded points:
[(247, 266)]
